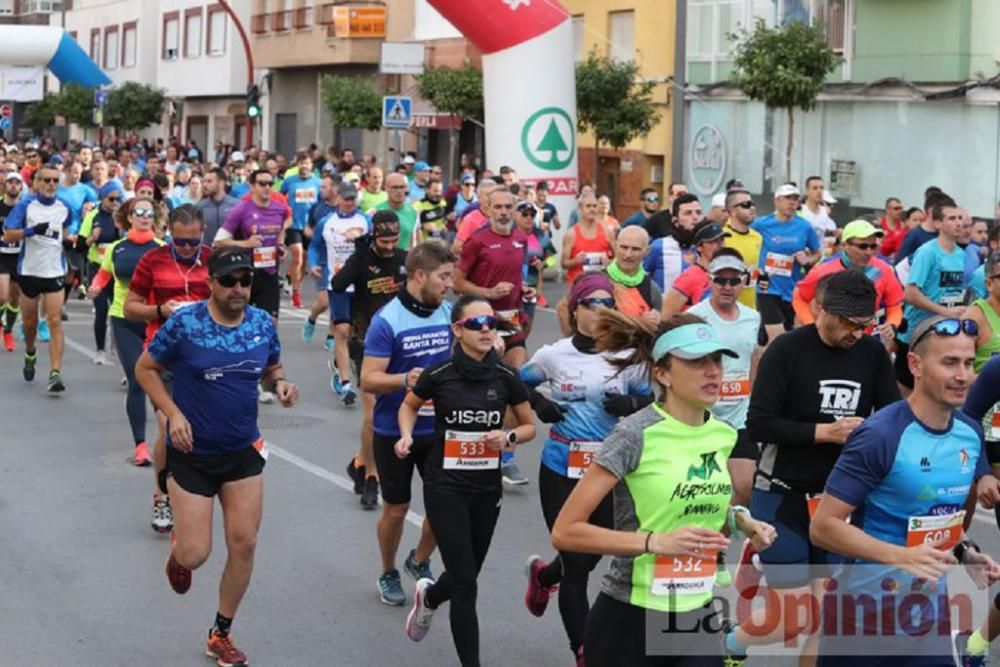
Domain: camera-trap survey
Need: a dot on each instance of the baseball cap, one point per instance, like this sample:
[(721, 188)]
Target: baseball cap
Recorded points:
[(408, 159), (237, 156), (468, 178), (690, 341), (724, 262), (787, 190), (828, 198), (347, 190), (421, 166), (719, 200), (708, 231), (350, 177), (860, 229), (525, 206), (224, 261), (14, 176)]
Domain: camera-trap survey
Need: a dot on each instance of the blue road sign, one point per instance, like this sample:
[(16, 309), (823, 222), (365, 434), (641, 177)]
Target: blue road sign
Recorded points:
[(5, 124), (397, 112), (100, 97)]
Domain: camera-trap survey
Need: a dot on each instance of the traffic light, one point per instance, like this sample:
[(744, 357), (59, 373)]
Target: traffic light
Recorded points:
[(253, 101)]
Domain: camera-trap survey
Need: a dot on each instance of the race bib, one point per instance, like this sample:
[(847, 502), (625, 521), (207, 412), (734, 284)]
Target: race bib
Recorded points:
[(265, 258), (593, 261), (924, 529), (684, 575), (581, 455), (468, 451), (734, 388), (951, 300), (262, 449), (995, 426), (778, 264), (305, 196)]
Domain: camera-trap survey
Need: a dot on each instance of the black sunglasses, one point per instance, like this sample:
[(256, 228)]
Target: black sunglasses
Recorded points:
[(949, 327), (864, 246), (477, 323), (191, 243), (265, 183), (591, 303), (230, 280), (48, 179), (731, 282), (114, 198), (745, 204)]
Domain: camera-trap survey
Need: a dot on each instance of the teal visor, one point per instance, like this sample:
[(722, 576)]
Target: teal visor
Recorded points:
[(691, 341)]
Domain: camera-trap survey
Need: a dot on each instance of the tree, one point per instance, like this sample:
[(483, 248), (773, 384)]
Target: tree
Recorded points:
[(784, 67), (133, 106), (76, 104), (613, 103), (458, 92), (40, 115), (352, 101)]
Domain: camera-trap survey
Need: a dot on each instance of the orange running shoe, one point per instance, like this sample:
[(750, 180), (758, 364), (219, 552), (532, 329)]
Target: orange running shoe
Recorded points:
[(141, 456), (296, 298), (220, 646), (8, 342)]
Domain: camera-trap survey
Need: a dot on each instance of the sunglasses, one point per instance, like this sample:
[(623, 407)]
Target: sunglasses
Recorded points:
[(745, 204), (854, 325), (727, 282), (477, 323), (49, 179), (190, 243), (949, 327), (652, 199), (143, 213), (265, 183), (115, 199), (591, 303), (230, 280), (864, 246)]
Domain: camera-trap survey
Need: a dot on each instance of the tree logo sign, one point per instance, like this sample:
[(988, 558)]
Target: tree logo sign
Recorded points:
[(548, 139)]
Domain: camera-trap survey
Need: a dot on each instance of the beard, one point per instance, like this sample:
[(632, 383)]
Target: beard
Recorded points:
[(683, 236)]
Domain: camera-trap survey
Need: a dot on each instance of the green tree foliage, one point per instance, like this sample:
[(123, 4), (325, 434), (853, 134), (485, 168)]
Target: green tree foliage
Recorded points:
[(613, 103), (352, 101), (133, 106), (458, 92), (75, 103), (784, 67), (40, 115)]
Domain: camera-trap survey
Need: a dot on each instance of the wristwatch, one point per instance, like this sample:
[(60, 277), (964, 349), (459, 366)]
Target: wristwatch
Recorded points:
[(511, 438)]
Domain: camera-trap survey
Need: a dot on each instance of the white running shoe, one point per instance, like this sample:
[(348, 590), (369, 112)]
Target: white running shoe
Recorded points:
[(101, 359), (418, 622)]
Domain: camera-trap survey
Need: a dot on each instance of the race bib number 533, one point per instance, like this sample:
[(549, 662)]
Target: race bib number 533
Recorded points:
[(468, 451)]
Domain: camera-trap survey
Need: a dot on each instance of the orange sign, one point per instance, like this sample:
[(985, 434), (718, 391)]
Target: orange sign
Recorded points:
[(359, 21)]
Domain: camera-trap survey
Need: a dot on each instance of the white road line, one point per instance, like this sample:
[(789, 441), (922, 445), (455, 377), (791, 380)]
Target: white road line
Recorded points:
[(86, 351)]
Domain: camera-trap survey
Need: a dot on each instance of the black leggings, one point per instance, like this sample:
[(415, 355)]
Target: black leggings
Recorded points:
[(463, 527), (570, 570), (129, 337), (616, 637), (101, 305)]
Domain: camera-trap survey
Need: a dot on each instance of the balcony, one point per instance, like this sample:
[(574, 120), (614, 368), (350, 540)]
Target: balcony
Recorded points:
[(303, 18), (349, 33), (281, 21), (258, 24)]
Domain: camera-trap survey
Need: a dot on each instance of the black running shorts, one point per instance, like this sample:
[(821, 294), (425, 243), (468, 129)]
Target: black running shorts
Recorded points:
[(204, 474), (265, 293), (33, 287), (395, 475)]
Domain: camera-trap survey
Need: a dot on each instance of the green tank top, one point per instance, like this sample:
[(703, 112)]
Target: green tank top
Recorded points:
[(984, 353)]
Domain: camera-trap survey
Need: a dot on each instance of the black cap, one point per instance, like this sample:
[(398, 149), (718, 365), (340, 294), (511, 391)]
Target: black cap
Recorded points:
[(224, 261), (526, 206), (708, 231)]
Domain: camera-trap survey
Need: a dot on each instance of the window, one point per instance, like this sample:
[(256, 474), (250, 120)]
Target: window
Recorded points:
[(216, 45), (95, 44), (111, 48), (128, 44), (834, 16), (171, 35), (192, 33), (579, 39), (621, 35)]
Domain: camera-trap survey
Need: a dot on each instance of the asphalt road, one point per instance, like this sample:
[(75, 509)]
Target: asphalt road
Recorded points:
[(82, 572)]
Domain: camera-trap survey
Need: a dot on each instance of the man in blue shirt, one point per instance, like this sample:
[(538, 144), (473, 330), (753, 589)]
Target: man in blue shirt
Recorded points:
[(650, 204), (790, 246), (302, 189), (218, 351), (670, 255), (906, 480)]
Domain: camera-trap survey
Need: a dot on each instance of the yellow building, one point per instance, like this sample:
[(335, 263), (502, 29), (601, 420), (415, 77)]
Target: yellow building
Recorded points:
[(640, 30)]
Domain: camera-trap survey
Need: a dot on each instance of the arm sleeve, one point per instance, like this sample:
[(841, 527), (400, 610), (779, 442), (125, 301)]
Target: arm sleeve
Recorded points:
[(379, 339), (865, 460), (686, 285), (985, 392), (347, 276), (769, 398)]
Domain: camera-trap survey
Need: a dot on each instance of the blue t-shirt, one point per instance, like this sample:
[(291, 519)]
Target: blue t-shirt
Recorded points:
[(973, 260), (781, 240), (940, 276), (636, 219), (302, 194), (977, 282), (76, 196), (897, 472), (216, 371), (239, 190), (667, 260), (408, 341), (416, 192)]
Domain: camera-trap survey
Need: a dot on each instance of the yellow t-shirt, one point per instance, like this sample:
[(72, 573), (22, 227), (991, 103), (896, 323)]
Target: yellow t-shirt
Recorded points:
[(748, 244)]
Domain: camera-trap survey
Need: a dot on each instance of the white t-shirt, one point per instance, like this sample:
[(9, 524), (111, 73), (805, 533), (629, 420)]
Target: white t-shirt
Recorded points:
[(339, 234), (824, 226)]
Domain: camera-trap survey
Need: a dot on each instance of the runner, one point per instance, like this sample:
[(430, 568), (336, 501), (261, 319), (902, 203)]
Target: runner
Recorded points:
[(588, 396), (894, 227), (790, 246), (538, 251), (587, 245), (742, 212), (670, 254), (41, 268), (373, 194), (396, 186), (908, 446), (327, 204), (432, 224), (693, 284), (814, 210), (218, 351), (463, 198), (650, 204), (655, 536), (10, 293), (302, 190), (100, 231), (334, 241), (136, 219), (476, 216), (81, 198), (164, 281), (410, 333), (813, 387), (471, 392), (216, 204)]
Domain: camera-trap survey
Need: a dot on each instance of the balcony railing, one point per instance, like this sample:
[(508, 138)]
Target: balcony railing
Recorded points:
[(281, 21), (258, 24), (303, 18)]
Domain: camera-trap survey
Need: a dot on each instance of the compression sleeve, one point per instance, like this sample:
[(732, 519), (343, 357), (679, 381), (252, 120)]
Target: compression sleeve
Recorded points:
[(802, 310), (768, 401), (102, 278)]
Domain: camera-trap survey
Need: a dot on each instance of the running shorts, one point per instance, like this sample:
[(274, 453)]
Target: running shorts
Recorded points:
[(204, 474), (265, 293), (775, 310), (340, 307), (395, 475), (8, 264), (293, 236), (33, 287)]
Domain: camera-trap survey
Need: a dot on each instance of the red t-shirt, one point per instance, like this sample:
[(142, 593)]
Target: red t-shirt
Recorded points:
[(489, 259), (693, 283), (470, 224), (158, 278), (890, 292), (893, 239)]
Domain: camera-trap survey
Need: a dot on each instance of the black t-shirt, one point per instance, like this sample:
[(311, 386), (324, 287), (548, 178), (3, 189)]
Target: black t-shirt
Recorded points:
[(376, 281), (659, 225), (802, 382), (548, 212), (464, 411), (7, 248)]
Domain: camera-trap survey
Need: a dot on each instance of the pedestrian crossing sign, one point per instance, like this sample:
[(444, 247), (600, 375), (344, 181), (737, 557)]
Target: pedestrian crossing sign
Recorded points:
[(397, 112)]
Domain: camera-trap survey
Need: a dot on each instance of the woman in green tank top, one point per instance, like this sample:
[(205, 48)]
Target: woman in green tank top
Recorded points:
[(666, 466)]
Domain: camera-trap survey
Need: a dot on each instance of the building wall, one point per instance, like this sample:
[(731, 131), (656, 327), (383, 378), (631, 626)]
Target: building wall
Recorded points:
[(88, 15)]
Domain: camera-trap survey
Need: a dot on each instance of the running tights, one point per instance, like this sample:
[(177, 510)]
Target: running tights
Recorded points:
[(463, 527), (129, 337), (570, 570), (101, 305)]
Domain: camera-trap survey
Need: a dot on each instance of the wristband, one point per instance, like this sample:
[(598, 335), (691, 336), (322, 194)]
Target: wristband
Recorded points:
[(29, 231), (732, 517), (159, 313), (406, 380), (645, 549), (962, 547)]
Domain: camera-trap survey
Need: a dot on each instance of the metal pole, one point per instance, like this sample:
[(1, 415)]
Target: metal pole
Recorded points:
[(249, 57), (677, 94)]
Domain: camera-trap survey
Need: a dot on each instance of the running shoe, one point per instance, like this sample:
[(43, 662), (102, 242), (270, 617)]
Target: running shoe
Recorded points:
[(265, 397), (63, 316), (29, 366), (417, 571), (965, 659), (349, 395), (356, 474), (369, 496), (512, 475), (8, 341), (536, 598), (543, 303), (723, 577), (220, 647), (44, 334), (56, 384), (178, 576), (418, 622), (748, 575), (336, 384), (163, 517), (101, 359), (141, 456), (296, 298), (328, 344), (81, 292), (390, 589), (308, 331)]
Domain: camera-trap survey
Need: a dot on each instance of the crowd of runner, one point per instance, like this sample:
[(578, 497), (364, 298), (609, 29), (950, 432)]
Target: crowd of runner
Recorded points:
[(822, 393)]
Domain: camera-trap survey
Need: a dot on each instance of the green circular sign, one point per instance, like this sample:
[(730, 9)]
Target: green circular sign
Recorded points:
[(546, 135)]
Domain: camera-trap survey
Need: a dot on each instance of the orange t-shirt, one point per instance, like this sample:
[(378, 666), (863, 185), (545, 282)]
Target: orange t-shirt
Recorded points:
[(593, 248)]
